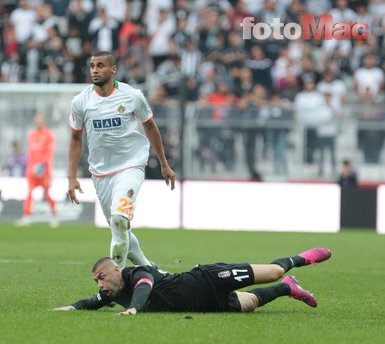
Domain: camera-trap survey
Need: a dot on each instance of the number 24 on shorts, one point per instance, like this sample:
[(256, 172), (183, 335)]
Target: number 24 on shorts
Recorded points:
[(126, 207)]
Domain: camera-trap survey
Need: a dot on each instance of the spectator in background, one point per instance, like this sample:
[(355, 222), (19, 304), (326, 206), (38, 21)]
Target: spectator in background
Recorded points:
[(240, 12), (309, 105), (79, 51), (336, 88), (260, 67), (327, 130), (9, 43), (370, 133), (11, 69), (285, 73), (369, 79), (114, 9), (256, 102), (180, 37), (209, 29), (279, 112), (309, 70), (159, 46), (348, 177), (24, 19), (103, 31), (295, 11), (271, 10), (41, 150), (340, 48), (54, 60), (16, 162), (234, 55), (80, 13), (318, 7), (191, 58), (32, 57), (167, 71), (243, 82), (45, 22)]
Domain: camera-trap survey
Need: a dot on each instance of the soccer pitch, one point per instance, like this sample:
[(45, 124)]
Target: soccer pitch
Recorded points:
[(42, 268)]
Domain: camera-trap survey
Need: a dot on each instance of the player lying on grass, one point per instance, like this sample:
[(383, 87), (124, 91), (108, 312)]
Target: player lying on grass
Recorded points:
[(206, 288)]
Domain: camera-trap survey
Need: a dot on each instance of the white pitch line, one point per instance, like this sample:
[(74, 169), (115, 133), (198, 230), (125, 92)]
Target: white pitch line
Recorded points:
[(31, 261)]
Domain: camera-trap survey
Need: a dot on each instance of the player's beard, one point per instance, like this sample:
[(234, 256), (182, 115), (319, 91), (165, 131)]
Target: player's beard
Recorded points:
[(101, 82)]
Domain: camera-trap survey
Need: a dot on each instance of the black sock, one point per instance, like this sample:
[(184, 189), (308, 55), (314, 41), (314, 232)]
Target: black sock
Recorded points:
[(268, 294), (288, 263)]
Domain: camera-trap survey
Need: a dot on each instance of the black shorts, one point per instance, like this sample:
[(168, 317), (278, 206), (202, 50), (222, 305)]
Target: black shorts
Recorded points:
[(225, 278)]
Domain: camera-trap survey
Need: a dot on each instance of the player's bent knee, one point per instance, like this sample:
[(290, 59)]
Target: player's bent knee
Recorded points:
[(120, 222), (242, 302), (276, 272)]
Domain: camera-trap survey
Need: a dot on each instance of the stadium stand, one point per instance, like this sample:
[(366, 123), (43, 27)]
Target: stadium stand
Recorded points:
[(243, 96)]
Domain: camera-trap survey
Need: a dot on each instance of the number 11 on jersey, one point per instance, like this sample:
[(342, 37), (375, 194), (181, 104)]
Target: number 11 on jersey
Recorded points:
[(238, 273)]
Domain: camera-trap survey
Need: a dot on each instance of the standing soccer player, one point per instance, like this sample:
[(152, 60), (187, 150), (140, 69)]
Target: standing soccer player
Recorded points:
[(108, 111), (41, 150)]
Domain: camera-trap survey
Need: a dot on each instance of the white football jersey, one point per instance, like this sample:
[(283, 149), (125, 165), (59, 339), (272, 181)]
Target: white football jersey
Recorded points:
[(111, 125)]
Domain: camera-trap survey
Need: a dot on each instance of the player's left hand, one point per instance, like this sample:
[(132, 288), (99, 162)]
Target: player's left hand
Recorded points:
[(129, 311), (169, 176)]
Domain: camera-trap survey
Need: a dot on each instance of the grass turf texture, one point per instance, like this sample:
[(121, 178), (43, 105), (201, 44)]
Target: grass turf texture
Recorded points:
[(42, 268)]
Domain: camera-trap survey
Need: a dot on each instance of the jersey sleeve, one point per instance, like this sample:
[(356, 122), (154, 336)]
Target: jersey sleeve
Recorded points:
[(143, 110), (142, 282), (94, 303), (76, 116)]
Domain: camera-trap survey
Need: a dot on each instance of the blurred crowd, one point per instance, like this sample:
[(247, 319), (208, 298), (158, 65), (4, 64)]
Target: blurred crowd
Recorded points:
[(51, 41)]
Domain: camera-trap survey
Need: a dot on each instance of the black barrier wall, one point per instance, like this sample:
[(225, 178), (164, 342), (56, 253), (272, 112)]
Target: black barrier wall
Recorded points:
[(358, 208)]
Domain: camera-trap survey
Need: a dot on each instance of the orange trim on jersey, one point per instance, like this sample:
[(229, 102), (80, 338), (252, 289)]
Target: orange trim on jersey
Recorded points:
[(76, 129), (151, 116), (113, 173), (113, 91)]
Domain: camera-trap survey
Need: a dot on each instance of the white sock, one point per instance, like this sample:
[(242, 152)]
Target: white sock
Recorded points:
[(135, 254), (120, 240)]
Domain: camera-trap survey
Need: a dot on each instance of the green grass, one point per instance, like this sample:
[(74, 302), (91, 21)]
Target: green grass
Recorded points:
[(41, 268)]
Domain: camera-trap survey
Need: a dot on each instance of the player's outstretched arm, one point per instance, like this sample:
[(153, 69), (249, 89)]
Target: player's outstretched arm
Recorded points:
[(152, 132), (143, 282)]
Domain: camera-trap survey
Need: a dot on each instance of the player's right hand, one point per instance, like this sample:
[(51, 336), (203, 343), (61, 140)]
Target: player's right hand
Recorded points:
[(65, 308), (73, 185)]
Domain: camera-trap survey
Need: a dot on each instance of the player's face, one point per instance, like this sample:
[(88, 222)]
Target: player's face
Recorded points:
[(39, 121), (101, 70), (109, 279)]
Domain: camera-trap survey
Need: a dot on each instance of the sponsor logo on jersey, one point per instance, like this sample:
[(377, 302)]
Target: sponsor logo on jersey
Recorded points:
[(107, 124), (224, 274), (121, 108), (130, 193)]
